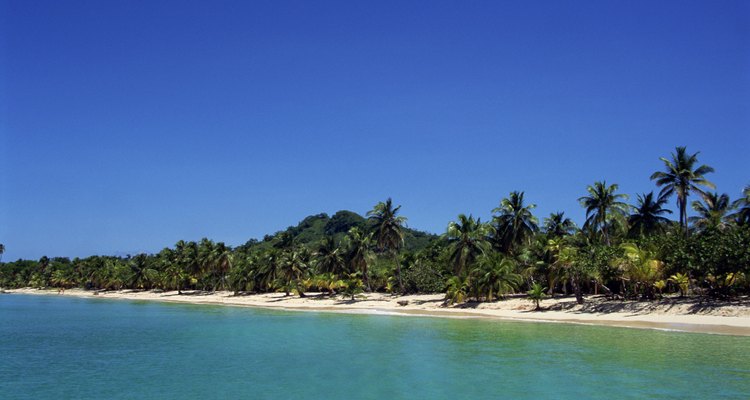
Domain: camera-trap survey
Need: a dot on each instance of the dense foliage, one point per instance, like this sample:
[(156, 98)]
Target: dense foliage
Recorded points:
[(630, 251)]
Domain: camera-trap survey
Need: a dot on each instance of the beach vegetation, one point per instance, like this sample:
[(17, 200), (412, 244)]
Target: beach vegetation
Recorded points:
[(621, 250)]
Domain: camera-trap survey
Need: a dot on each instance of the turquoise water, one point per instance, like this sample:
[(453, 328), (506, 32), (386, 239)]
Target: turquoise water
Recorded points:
[(70, 348)]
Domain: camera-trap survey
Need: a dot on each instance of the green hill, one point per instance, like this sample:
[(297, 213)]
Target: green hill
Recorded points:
[(314, 228)]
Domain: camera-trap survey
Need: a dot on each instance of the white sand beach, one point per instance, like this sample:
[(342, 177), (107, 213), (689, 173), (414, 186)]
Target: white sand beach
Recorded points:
[(689, 315)]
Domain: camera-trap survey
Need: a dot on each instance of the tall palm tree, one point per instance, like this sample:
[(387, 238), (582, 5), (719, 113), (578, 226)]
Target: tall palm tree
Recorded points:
[(329, 257), (293, 269), (495, 275), (603, 207), (388, 232), (469, 239), (680, 177), (141, 272), (647, 216), (515, 223), (2, 251), (557, 225), (713, 213), (742, 216), (221, 263), (358, 253)]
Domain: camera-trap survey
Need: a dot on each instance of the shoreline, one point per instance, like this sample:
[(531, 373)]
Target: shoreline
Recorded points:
[(683, 315)]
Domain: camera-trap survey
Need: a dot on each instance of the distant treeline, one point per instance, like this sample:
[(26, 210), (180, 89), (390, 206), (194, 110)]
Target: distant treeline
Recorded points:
[(631, 250)]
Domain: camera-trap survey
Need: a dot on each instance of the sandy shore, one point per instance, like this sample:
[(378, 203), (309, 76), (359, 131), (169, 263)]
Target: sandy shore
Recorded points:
[(687, 315)]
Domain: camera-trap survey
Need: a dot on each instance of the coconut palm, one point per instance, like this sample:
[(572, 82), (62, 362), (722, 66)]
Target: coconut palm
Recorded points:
[(242, 273), (641, 268), (351, 285), (174, 277), (468, 239), (742, 216), (514, 224), (142, 275), (221, 262), (682, 281), (537, 294), (388, 232), (603, 208), (495, 275), (293, 269), (647, 216), (329, 257), (358, 253), (456, 290), (680, 177), (713, 213), (557, 225)]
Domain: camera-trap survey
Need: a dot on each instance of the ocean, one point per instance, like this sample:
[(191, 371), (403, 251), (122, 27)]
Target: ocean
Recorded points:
[(73, 348)]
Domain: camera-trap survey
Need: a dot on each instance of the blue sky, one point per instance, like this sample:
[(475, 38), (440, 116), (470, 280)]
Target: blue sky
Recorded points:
[(126, 126)]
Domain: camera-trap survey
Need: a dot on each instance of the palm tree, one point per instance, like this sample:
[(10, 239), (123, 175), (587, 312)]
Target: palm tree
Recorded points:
[(174, 277), (352, 285), (293, 269), (387, 227), (682, 281), (456, 290), (329, 258), (468, 238), (141, 273), (742, 216), (641, 268), (515, 223), (557, 225), (537, 294), (187, 257), (603, 207), (2, 251), (681, 178), (495, 274), (714, 213), (241, 276), (646, 217), (358, 253)]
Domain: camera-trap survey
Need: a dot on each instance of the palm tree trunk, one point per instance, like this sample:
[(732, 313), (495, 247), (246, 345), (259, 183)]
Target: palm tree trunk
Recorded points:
[(398, 272), (683, 216), (367, 278), (577, 290)]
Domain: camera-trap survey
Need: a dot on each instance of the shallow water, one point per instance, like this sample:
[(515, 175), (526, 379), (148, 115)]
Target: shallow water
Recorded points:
[(65, 347)]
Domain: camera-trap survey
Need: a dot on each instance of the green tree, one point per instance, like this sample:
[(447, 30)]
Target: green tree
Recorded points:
[(293, 269), (603, 206), (537, 294), (352, 285), (468, 238), (387, 226), (647, 215), (515, 224), (713, 213), (682, 281), (329, 257), (175, 277), (456, 290), (557, 225), (742, 216), (495, 275), (681, 177), (358, 253), (641, 269)]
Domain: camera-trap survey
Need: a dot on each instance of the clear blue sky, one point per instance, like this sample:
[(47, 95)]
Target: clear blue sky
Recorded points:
[(129, 125)]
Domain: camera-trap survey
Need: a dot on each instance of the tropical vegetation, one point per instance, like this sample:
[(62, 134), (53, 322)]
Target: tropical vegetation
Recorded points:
[(622, 250)]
